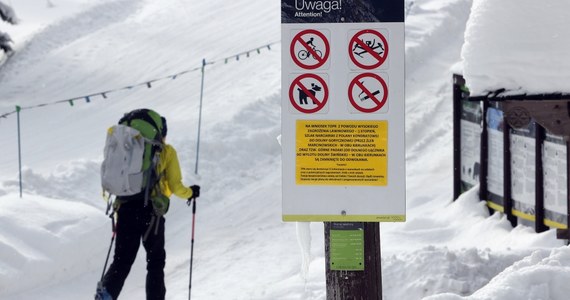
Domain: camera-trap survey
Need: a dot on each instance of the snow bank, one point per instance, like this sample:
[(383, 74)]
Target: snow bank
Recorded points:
[(519, 45), (434, 270), (466, 248), (47, 240), (542, 275), (75, 180)]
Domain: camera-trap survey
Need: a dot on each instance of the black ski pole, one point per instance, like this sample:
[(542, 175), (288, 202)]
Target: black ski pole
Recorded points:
[(110, 246), (100, 283), (192, 244)]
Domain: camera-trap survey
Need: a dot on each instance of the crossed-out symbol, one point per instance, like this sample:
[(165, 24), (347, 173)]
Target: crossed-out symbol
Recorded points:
[(377, 98), (306, 39), (305, 93), (368, 53)]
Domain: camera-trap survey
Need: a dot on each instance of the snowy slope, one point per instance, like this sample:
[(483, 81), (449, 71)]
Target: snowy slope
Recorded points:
[(53, 241), (112, 44)]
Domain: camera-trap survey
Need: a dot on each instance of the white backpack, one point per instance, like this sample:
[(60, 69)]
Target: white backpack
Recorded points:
[(122, 168)]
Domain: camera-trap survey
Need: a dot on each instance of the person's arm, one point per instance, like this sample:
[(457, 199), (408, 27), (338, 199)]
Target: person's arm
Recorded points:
[(174, 175)]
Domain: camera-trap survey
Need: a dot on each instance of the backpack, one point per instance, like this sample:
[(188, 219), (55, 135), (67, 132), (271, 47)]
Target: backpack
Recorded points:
[(131, 155)]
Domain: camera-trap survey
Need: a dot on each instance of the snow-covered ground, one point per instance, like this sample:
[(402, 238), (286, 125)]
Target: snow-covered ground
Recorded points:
[(54, 240)]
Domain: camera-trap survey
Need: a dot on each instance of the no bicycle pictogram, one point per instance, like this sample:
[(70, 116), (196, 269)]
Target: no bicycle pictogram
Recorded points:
[(310, 49), (368, 49), (368, 92), (308, 93)]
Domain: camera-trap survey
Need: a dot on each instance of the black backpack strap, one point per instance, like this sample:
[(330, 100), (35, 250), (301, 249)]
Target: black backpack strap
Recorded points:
[(154, 224), (150, 225)]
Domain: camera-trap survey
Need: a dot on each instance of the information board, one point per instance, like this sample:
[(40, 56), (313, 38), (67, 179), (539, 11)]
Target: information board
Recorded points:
[(471, 117), (495, 178), (342, 110), (523, 171), (555, 168), (347, 247)]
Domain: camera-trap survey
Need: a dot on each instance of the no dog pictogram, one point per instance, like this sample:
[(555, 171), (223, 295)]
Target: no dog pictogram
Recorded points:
[(368, 92), (308, 93), (310, 49), (368, 49)]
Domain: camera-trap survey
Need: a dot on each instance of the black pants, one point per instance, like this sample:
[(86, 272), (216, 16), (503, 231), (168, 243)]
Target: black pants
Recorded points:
[(133, 222)]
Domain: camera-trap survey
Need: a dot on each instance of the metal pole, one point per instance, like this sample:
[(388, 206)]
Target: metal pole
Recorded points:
[(192, 246), (18, 109), (200, 116)]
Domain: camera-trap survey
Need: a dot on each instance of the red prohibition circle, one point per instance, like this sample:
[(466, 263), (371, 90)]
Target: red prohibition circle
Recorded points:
[(379, 103), (380, 59), (298, 39), (322, 102)]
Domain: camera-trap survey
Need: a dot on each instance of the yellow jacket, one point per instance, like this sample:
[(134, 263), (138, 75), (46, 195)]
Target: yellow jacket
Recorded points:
[(171, 176)]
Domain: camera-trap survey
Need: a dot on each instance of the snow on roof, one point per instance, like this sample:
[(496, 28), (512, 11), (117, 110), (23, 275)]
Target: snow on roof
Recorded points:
[(522, 46)]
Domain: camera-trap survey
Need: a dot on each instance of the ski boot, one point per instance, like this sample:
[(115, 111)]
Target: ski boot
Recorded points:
[(102, 294)]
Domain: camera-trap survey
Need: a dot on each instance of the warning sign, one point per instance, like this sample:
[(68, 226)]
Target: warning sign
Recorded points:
[(308, 93), (342, 109), (342, 152), (310, 49), (368, 92), (368, 49)]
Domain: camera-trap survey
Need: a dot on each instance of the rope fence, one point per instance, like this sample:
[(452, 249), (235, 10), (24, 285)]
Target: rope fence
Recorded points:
[(88, 98)]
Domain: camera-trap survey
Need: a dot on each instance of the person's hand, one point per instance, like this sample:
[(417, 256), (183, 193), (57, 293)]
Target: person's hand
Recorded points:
[(195, 191)]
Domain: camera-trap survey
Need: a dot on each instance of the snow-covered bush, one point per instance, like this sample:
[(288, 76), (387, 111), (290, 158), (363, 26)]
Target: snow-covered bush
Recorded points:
[(6, 14)]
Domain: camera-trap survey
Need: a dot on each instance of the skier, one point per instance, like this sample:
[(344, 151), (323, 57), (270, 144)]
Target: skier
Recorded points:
[(136, 222)]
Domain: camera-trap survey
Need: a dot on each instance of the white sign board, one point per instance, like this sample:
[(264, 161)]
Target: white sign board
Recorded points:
[(343, 111), (495, 177), (523, 170), (555, 164), (471, 114)]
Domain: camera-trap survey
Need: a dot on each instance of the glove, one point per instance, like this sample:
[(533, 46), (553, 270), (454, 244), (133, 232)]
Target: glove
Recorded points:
[(195, 191)]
